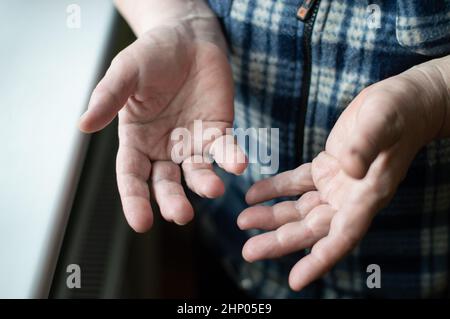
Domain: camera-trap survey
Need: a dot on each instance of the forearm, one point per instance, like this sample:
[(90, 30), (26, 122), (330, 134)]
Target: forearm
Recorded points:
[(144, 15)]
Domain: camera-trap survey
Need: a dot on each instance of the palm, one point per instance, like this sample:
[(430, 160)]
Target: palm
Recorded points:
[(385, 160), (170, 95), (332, 182), (165, 81)]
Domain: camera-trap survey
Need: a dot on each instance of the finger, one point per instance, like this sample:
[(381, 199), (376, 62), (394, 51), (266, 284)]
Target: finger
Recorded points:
[(272, 217), (201, 178), (133, 170), (290, 237), (228, 154), (324, 255), (288, 183), (111, 94), (169, 194), (307, 202), (346, 229), (377, 127), (268, 217)]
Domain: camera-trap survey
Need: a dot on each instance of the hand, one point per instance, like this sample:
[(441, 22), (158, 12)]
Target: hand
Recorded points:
[(167, 79), (367, 155)]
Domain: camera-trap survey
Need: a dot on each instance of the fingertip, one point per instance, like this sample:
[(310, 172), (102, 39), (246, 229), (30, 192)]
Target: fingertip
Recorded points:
[(213, 188), (250, 196), (298, 277), (138, 214), (253, 195), (100, 112), (181, 212), (236, 168), (254, 249), (228, 155), (247, 253), (241, 164), (91, 122), (294, 282), (242, 221), (83, 123), (139, 222), (182, 223), (142, 228), (184, 220)]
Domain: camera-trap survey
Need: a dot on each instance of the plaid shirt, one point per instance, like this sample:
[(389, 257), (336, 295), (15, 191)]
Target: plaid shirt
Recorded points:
[(284, 79)]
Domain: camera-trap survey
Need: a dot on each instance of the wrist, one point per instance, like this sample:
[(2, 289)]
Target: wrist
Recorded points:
[(430, 92), (443, 68), (193, 16), (201, 29)]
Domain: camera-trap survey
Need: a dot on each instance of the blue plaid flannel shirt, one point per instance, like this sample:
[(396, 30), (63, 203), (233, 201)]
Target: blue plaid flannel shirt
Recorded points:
[(410, 238)]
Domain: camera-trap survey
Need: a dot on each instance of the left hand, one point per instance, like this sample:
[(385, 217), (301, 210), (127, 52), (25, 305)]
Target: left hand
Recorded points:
[(367, 155)]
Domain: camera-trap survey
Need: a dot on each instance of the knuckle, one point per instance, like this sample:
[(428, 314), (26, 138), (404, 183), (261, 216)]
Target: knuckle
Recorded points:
[(281, 237), (313, 220), (312, 223), (166, 171), (306, 201)]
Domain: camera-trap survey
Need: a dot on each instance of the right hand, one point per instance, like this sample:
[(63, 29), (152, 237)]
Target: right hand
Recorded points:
[(367, 155), (166, 79)]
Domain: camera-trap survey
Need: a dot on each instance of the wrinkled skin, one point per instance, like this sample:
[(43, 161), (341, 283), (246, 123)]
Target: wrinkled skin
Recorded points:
[(165, 80), (367, 155), (170, 77)]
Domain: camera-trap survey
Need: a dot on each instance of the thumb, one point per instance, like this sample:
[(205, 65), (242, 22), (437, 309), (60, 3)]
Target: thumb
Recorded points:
[(377, 127), (111, 94)]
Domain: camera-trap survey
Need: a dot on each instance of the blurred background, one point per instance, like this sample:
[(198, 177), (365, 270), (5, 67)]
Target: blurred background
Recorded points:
[(59, 203)]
